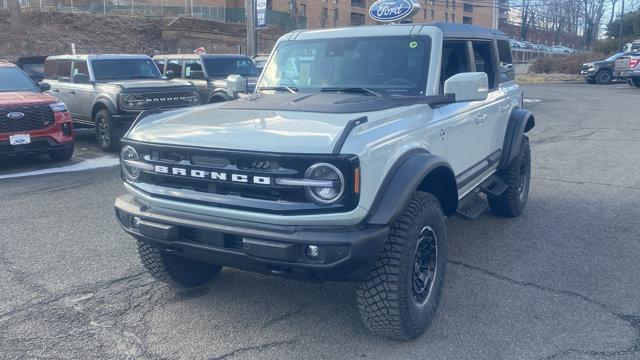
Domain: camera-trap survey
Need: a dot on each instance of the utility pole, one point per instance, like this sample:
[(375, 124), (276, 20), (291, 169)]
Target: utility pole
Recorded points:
[(496, 14), (621, 26), (252, 34)]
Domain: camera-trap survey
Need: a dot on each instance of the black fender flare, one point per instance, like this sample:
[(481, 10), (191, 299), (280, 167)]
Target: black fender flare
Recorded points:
[(103, 101), (219, 94), (520, 122), (415, 170)]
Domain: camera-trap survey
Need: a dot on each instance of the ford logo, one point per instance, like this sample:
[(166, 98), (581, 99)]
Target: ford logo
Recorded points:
[(393, 10), (15, 115)]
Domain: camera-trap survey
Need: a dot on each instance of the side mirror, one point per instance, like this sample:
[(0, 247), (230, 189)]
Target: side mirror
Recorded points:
[(44, 86), (470, 86), (236, 84), (81, 78), (170, 75)]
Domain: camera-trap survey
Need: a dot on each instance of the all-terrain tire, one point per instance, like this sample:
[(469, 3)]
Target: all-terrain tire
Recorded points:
[(604, 77), (635, 82), (518, 178), (388, 300), (175, 270), (61, 154), (108, 131)]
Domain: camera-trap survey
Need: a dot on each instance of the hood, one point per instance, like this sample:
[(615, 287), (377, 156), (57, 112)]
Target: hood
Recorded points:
[(250, 130), (151, 84), (22, 98)]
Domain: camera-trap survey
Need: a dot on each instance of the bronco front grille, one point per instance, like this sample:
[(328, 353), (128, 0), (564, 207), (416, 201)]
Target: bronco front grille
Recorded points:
[(265, 166), (32, 118)]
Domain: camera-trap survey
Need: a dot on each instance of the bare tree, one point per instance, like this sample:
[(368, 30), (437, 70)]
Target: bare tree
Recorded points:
[(14, 13)]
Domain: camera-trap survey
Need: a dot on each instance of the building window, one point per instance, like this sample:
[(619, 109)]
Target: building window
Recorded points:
[(467, 20), (325, 16), (453, 17), (453, 4), (446, 17), (433, 15), (466, 7), (358, 3), (269, 4), (303, 10), (335, 17), (446, 4), (357, 19)]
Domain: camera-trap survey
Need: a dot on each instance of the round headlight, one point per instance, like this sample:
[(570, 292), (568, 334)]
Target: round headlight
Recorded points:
[(130, 101), (129, 153), (325, 195)]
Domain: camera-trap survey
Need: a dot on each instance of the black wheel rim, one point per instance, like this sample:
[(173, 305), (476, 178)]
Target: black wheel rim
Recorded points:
[(604, 77), (522, 175), (424, 266), (104, 134)]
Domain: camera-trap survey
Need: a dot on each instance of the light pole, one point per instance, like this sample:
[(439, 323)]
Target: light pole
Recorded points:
[(621, 26)]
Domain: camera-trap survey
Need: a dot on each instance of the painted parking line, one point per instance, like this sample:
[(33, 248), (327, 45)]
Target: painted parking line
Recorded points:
[(88, 164), (532, 101)]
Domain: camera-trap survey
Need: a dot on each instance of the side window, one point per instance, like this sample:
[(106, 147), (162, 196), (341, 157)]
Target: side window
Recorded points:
[(455, 60), (160, 63), (64, 70), (51, 69), (193, 69), (483, 54), (176, 66), (79, 67), (507, 71)]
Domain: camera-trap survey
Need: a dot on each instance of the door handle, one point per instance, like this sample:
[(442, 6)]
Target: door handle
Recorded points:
[(481, 118), (505, 108), (72, 92)]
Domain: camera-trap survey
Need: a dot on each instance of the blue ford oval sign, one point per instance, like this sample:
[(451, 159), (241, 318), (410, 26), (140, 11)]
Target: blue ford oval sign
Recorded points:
[(393, 10)]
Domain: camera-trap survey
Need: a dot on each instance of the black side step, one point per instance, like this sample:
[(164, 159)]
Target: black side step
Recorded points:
[(494, 186), (472, 205)]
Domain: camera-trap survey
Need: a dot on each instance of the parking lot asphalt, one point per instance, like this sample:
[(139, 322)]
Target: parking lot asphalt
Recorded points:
[(560, 282)]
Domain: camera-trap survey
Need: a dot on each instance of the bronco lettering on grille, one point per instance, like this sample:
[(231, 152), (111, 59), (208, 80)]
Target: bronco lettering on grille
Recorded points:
[(212, 175)]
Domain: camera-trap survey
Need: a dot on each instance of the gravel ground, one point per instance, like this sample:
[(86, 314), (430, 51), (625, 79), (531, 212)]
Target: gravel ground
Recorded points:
[(560, 282)]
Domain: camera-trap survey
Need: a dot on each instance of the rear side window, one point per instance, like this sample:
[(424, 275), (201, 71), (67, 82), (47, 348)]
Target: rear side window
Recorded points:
[(160, 63), (193, 69), (176, 67), (64, 70), (80, 67), (51, 69), (483, 54), (507, 70)]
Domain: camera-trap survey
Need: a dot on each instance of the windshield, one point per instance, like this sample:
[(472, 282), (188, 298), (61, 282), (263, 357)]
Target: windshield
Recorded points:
[(230, 66), (394, 65), (14, 79), (615, 57), (125, 69)]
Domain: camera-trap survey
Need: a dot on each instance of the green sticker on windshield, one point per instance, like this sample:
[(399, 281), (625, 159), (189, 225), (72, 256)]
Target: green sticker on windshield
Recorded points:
[(413, 44)]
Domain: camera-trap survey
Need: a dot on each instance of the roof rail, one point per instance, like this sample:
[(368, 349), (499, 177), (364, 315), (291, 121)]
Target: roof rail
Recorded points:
[(4, 61)]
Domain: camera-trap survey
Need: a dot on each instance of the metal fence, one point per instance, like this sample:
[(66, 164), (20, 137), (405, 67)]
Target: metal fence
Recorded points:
[(192, 8)]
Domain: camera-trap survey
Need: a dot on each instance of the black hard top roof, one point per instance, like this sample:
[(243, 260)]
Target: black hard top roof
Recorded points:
[(455, 30)]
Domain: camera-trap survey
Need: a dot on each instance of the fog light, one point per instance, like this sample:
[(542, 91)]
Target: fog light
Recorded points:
[(312, 252), (136, 222)]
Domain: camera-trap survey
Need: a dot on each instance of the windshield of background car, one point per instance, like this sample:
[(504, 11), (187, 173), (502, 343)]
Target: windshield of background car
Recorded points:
[(226, 67), (14, 79), (395, 65), (125, 69)]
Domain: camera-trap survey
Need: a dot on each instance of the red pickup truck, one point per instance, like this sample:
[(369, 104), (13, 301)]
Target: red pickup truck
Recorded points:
[(31, 122)]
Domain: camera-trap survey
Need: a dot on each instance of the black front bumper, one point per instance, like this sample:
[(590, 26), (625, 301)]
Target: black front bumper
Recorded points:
[(38, 145), (345, 253)]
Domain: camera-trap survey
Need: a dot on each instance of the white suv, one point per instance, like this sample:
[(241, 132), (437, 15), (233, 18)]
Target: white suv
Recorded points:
[(342, 167)]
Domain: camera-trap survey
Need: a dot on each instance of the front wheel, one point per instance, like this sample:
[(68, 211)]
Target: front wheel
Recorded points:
[(517, 176), (400, 296), (107, 131), (604, 77)]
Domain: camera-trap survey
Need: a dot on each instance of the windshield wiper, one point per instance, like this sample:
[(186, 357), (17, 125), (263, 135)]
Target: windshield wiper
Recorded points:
[(292, 90), (359, 90)]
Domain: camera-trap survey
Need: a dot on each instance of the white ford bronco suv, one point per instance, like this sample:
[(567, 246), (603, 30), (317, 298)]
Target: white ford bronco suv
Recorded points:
[(343, 166)]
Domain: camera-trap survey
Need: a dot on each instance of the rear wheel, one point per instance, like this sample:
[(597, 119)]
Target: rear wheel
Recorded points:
[(175, 270), (62, 154), (400, 296), (604, 77), (108, 131), (635, 82), (518, 177)]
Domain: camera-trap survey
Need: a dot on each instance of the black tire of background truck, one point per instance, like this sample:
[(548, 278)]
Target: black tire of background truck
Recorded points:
[(108, 131), (518, 177), (604, 77), (391, 301), (590, 80), (175, 270), (635, 81), (61, 154)]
